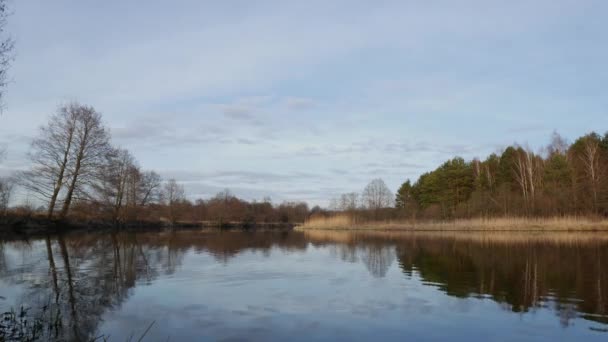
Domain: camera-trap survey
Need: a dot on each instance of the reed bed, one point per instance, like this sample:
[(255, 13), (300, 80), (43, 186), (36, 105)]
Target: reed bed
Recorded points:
[(491, 237), (569, 223)]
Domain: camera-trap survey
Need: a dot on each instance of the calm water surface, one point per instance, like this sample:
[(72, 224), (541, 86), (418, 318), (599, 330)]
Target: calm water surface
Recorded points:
[(303, 286)]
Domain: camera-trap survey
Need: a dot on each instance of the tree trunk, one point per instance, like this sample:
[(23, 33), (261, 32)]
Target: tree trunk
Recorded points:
[(59, 182), (68, 197)]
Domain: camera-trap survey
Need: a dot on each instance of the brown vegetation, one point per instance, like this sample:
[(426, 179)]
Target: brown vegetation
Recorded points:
[(344, 221), (77, 176), (516, 269), (493, 237), (562, 187)]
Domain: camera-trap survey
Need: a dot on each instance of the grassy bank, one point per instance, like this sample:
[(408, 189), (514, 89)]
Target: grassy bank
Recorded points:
[(351, 237), (345, 222)]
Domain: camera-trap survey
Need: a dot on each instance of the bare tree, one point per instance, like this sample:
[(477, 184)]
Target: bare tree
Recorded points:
[(6, 48), (148, 188), (349, 201), (123, 189), (334, 203), (558, 144), (6, 189), (377, 195), (521, 175), (114, 180), (528, 174), (66, 156), (89, 153), (591, 161), (173, 195), (142, 189), (50, 157)]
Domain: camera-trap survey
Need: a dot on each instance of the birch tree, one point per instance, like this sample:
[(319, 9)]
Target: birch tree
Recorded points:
[(377, 195), (6, 48), (6, 189), (50, 157), (66, 155), (591, 162), (173, 195), (148, 188), (91, 148), (123, 188), (528, 174), (114, 180), (349, 201)]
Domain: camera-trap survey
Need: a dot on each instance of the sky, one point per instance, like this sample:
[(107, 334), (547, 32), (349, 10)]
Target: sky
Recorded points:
[(304, 100)]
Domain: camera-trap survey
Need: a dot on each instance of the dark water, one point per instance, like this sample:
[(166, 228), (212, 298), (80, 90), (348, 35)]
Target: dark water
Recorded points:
[(309, 286)]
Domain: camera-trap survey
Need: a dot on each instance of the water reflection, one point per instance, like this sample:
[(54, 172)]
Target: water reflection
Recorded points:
[(70, 282), (86, 275), (524, 271), (377, 257)]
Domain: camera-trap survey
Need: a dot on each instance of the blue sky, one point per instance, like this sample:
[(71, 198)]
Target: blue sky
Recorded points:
[(303, 100)]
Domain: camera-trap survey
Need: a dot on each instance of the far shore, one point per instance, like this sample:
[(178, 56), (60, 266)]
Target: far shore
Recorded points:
[(517, 224), (35, 226), (16, 226)]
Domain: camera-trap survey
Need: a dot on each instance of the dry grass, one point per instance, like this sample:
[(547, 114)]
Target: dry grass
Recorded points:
[(331, 222), (344, 222), (493, 237)]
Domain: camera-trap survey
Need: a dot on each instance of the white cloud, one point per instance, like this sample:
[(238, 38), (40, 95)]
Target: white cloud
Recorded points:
[(276, 87), (299, 103)]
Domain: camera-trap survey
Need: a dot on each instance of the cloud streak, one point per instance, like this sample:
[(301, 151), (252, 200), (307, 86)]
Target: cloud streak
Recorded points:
[(309, 97)]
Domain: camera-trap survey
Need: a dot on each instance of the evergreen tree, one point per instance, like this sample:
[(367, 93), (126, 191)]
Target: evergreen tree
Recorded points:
[(403, 195)]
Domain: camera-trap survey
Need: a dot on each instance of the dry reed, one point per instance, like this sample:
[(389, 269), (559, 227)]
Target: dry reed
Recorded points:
[(494, 237), (569, 223)]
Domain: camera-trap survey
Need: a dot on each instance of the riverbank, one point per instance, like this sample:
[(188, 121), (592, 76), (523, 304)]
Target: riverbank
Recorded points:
[(344, 222), (12, 226), (354, 237)]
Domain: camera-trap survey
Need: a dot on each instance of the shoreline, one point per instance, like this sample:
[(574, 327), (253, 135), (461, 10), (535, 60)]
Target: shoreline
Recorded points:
[(508, 224), (351, 237), (25, 227)]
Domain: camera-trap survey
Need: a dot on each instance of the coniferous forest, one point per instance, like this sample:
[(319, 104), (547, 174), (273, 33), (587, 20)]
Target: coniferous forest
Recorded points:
[(77, 173), (562, 180)]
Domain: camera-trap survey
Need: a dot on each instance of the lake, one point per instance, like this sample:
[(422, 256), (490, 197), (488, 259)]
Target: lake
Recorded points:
[(312, 285)]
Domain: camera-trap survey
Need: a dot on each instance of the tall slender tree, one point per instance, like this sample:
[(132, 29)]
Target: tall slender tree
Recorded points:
[(114, 181), (173, 195), (377, 195), (6, 190), (404, 194), (6, 49), (50, 157), (91, 148)]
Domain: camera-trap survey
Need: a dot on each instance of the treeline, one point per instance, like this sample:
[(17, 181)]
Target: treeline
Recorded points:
[(76, 173), (562, 179)]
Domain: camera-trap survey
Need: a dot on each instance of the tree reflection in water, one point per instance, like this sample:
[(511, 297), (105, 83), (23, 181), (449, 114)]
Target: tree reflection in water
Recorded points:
[(523, 271), (71, 281), (87, 275), (377, 257)]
